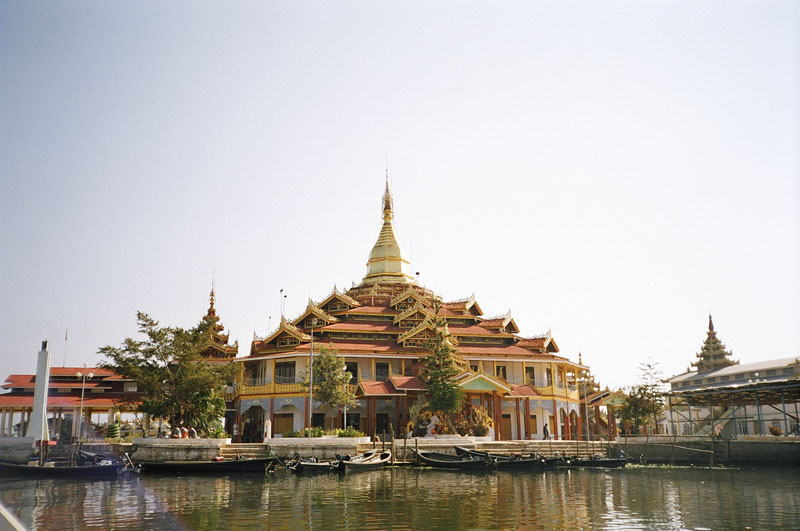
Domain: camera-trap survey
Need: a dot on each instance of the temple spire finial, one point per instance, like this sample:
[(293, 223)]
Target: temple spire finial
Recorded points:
[(710, 323), (388, 203)]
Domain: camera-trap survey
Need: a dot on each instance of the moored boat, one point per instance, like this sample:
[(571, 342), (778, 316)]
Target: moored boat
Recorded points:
[(209, 467), (595, 461), (505, 461), (367, 461), (312, 466), (87, 464), (463, 462)]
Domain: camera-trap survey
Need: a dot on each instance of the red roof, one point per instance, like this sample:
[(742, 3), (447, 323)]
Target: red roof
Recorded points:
[(30, 384), (372, 309), (360, 326), (70, 371), (408, 383), (523, 390), (378, 389), (58, 400)]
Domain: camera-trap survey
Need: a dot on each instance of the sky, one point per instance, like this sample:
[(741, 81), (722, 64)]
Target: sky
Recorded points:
[(611, 171)]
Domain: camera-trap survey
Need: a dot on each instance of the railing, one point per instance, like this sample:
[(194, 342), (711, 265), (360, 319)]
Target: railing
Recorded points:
[(285, 379), (255, 381), (274, 388)]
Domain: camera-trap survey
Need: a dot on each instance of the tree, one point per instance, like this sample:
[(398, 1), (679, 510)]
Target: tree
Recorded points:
[(441, 366), (172, 378), (330, 380), (645, 400)]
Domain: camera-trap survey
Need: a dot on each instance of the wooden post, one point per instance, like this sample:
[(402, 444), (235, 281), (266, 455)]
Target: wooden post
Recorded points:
[(405, 448), (416, 448), (383, 441)]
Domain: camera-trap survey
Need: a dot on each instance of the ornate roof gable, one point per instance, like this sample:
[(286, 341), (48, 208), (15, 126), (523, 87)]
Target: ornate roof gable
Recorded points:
[(409, 293), (467, 306), (417, 308), (341, 297), (286, 328), (505, 322), (316, 311), (427, 324), (541, 343)]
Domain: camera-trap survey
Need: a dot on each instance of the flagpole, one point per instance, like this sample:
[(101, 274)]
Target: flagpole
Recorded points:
[(66, 333)]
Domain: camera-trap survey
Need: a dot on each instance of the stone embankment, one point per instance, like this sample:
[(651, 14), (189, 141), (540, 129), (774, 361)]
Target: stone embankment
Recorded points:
[(705, 451)]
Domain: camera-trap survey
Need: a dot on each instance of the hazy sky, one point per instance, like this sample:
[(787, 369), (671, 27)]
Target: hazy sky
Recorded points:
[(612, 171)]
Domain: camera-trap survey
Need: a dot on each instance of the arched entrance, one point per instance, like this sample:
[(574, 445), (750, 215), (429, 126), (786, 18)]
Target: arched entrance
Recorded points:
[(563, 425), (253, 424), (573, 425)]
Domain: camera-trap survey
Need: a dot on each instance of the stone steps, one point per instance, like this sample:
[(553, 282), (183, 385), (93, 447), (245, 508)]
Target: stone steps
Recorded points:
[(247, 450)]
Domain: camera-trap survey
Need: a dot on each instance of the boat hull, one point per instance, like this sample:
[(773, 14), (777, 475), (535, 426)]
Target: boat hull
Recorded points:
[(208, 467), (89, 471), (451, 461)]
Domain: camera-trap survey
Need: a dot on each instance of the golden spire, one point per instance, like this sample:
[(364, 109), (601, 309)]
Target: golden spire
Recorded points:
[(386, 260), (212, 297)]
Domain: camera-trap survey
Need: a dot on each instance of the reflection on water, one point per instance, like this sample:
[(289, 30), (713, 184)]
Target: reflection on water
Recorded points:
[(636, 498)]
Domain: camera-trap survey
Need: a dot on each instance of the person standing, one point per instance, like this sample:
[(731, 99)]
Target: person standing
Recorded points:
[(546, 432)]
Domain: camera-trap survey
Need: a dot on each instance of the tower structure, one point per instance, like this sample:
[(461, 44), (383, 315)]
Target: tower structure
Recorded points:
[(712, 355), (218, 348)]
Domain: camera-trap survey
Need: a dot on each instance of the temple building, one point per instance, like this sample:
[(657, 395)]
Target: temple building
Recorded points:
[(381, 327)]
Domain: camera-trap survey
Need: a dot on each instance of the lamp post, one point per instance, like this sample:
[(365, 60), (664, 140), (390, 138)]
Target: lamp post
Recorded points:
[(83, 378), (311, 375)]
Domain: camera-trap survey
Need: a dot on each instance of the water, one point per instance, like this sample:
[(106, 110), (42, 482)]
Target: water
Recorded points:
[(409, 498)]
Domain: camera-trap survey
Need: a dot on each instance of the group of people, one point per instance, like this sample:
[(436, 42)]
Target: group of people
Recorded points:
[(182, 432)]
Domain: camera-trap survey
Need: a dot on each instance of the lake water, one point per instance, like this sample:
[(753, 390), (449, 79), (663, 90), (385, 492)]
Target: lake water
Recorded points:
[(412, 498)]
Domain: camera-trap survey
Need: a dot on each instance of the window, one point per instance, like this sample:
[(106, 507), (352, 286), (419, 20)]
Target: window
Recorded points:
[(381, 372), (284, 372), (501, 371), (530, 375), (549, 374), (318, 420), (473, 368), (130, 387), (287, 341), (352, 368)]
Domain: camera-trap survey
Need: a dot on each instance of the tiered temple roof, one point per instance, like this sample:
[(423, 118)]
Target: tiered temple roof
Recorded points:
[(218, 348), (713, 355)]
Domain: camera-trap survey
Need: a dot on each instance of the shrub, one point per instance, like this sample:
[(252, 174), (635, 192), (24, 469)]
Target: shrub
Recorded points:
[(350, 431)]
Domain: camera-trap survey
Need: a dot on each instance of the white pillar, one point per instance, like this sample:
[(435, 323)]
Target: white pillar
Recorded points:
[(37, 428)]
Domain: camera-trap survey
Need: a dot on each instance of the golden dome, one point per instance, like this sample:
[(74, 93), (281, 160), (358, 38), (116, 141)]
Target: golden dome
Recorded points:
[(386, 260)]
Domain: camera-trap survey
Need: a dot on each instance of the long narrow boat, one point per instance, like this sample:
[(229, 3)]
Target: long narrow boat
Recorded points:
[(87, 465), (463, 462), (506, 461), (366, 461), (209, 467), (312, 466), (594, 462)]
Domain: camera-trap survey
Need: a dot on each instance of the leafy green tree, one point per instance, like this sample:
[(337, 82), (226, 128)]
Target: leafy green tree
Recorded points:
[(644, 401), (330, 380), (174, 381), (441, 366)]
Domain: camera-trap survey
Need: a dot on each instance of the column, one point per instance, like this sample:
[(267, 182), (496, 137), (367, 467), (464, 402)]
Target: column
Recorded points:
[(520, 431), (554, 427), (612, 423), (785, 420), (528, 434)]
